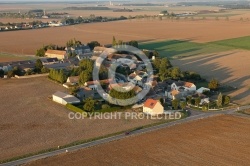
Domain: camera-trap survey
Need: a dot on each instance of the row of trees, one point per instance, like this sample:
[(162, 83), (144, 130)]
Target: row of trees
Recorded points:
[(58, 75), (120, 42), (222, 100)]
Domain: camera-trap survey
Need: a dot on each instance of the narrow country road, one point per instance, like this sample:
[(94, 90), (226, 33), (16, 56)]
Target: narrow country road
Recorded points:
[(194, 115)]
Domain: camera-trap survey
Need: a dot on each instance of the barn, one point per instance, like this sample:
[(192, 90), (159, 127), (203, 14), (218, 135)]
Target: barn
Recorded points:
[(63, 98)]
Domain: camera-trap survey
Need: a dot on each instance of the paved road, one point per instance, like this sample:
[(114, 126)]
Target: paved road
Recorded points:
[(194, 115)]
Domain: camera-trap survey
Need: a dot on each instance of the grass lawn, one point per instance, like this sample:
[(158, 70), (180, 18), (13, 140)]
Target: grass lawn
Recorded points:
[(179, 49)]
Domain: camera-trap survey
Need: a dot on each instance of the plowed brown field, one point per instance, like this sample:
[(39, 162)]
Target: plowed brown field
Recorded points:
[(198, 31), (231, 68), (30, 122), (221, 140)]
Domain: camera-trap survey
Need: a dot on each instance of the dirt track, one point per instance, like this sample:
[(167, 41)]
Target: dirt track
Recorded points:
[(221, 140)]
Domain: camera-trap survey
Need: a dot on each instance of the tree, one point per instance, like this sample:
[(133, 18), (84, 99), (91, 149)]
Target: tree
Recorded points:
[(133, 43), (219, 100), (62, 77), (38, 66), (213, 84), (183, 105), (188, 99), (74, 90), (45, 70), (73, 43), (1, 73), (40, 52), (85, 76), (89, 104), (197, 101), (175, 104), (162, 101), (93, 44), (114, 43), (176, 73), (226, 100)]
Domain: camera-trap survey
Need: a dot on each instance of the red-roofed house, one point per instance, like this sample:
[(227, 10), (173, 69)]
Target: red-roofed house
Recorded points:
[(153, 107)]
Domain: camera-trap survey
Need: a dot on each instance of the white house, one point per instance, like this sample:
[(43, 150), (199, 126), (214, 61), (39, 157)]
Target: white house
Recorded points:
[(187, 86), (202, 90), (152, 107), (63, 98)]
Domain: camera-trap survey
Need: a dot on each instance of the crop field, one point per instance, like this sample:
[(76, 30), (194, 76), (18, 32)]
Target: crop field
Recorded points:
[(179, 48), (30, 122), (221, 140), (237, 43), (143, 30)]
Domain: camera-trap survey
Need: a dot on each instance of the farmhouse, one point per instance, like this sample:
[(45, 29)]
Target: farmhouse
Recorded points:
[(187, 86), (56, 54), (152, 107), (63, 98)]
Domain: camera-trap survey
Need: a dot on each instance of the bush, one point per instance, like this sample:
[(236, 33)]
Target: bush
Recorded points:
[(105, 106), (76, 109)]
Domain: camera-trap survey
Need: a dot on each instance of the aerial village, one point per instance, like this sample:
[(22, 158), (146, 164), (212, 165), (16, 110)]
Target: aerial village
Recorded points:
[(72, 67)]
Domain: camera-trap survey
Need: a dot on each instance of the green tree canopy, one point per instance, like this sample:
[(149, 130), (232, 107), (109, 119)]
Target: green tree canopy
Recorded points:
[(213, 84), (89, 105), (175, 104), (93, 44)]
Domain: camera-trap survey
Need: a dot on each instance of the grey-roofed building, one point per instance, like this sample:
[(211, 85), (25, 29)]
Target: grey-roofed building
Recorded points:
[(64, 98)]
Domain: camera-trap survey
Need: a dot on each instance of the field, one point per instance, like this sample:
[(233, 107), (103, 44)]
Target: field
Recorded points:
[(9, 57), (30, 122), (230, 67), (183, 48), (144, 30), (220, 140)]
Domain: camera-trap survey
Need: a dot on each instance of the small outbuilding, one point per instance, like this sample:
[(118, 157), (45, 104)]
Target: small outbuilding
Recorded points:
[(64, 98)]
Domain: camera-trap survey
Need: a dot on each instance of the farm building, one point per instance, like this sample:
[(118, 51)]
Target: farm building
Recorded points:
[(153, 107), (63, 98), (56, 54)]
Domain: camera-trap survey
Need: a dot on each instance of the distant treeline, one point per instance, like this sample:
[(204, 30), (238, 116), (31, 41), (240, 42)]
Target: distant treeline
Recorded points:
[(87, 8), (142, 4), (224, 4)]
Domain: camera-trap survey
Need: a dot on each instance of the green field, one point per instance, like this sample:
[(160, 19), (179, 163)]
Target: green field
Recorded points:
[(238, 43), (5, 57), (180, 49)]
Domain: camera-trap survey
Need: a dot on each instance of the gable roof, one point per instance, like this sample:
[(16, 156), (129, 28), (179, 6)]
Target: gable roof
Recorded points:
[(150, 103), (188, 84), (73, 79), (57, 52), (175, 92)]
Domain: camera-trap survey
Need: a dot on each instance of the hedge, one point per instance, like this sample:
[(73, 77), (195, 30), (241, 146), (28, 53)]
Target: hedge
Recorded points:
[(76, 109)]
